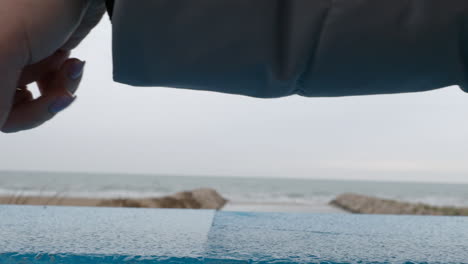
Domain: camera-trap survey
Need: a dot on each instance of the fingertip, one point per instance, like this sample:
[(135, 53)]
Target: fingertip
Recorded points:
[(75, 69), (66, 80), (61, 103), (36, 112)]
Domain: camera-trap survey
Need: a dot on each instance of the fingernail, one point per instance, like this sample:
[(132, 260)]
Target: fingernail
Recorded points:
[(76, 69), (61, 103)]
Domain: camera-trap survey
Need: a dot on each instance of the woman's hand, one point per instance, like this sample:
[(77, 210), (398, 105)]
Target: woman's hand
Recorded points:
[(35, 40)]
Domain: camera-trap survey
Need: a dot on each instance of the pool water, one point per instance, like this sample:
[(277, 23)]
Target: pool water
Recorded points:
[(36, 234)]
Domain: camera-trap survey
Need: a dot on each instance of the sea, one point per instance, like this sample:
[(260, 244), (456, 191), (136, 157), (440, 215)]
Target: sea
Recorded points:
[(244, 194)]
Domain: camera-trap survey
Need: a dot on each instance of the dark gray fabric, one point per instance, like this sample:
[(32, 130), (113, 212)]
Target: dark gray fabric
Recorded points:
[(110, 7), (274, 48)]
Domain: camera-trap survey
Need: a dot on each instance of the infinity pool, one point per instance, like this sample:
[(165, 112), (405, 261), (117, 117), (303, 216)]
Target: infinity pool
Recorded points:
[(31, 235)]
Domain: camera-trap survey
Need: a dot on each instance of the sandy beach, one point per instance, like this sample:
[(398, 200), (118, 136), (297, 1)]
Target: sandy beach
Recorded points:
[(281, 207), (55, 200)]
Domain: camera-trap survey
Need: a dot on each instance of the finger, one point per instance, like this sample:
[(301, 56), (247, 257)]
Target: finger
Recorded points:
[(38, 70), (57, 96), (22, 95), (73, 72)]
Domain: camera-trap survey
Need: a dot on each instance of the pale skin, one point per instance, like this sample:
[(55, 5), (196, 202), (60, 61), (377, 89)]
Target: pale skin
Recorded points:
[(36, 38)]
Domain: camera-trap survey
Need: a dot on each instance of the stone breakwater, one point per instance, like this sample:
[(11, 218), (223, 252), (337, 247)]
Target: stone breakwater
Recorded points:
[(361, 204), (195, 199), (203, 198)]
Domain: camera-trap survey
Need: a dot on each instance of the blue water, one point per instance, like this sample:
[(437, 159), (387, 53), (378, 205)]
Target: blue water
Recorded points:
[(72, 235)]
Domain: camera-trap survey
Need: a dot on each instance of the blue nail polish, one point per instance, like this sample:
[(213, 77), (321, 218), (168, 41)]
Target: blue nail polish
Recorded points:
[(76, 69), (61, 103)]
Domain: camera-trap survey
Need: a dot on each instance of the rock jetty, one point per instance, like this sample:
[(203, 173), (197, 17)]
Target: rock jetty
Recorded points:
[(196, 199), (203, 198), (361, 204)]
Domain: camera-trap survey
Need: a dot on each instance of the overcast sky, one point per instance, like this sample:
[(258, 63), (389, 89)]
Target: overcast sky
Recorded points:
[(119, 128)]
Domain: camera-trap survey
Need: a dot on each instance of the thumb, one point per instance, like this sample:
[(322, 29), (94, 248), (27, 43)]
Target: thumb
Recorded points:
[(57, 89)]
